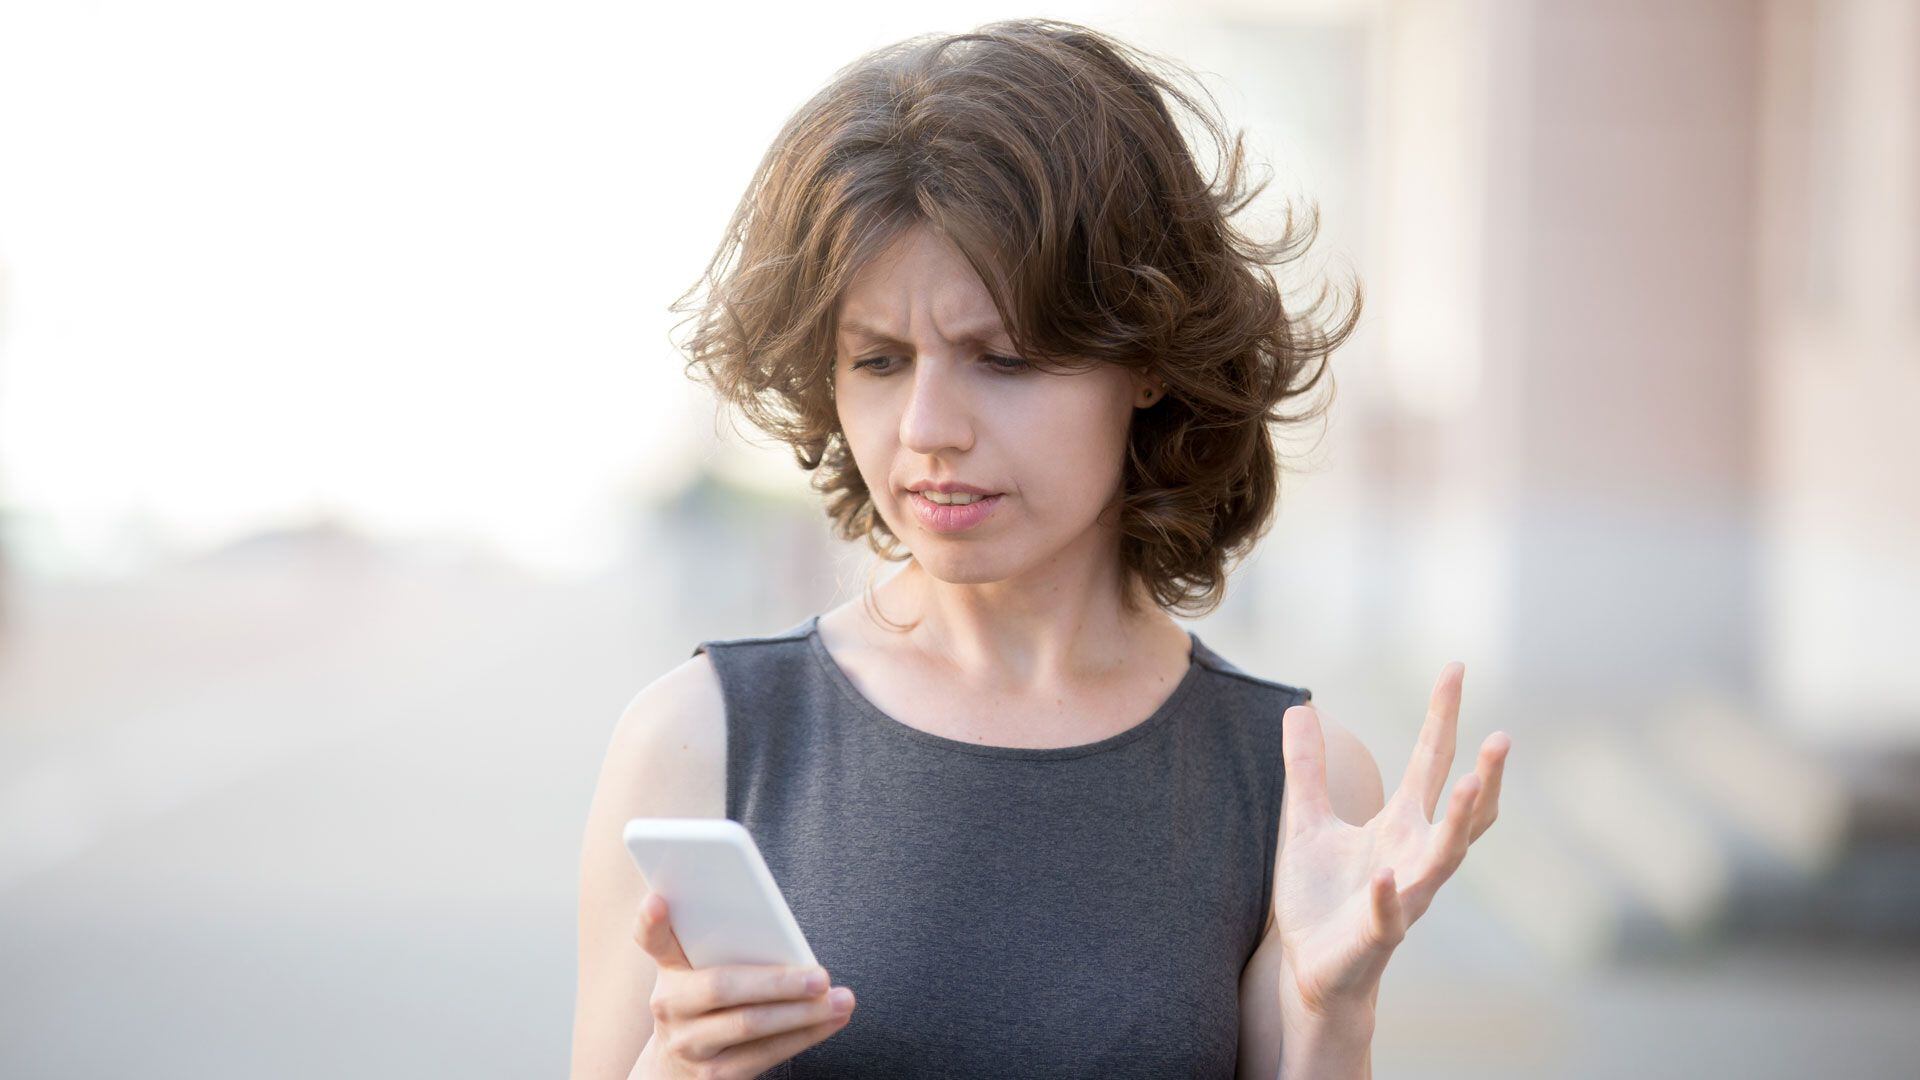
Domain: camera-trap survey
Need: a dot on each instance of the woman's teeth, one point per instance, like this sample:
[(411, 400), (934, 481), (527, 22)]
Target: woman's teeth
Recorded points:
[(958, 498)]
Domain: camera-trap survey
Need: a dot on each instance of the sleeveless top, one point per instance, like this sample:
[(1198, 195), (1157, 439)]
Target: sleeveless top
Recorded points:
[(1060, 912)]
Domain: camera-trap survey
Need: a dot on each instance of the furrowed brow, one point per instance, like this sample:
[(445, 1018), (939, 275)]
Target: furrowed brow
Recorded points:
[(859, 330)]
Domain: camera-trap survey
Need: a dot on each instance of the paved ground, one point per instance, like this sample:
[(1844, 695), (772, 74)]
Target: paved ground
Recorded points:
[(323, 824)]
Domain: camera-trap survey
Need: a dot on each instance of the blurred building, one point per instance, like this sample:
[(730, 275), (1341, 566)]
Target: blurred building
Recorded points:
[(1627, 429)]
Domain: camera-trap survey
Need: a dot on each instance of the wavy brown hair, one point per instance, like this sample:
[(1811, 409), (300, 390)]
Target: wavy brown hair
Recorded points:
[(1051, 156)]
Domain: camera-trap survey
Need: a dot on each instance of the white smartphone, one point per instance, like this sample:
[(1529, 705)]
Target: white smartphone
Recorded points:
[(722, 901)]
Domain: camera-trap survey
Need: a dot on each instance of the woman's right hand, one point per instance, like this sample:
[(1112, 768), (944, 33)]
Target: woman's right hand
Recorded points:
[(728, 1020)]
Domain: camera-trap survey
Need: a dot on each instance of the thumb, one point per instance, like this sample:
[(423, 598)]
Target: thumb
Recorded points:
[(654, 933)]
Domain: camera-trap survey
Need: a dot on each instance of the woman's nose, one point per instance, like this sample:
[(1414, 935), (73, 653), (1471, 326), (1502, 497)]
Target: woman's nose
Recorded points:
[(938, 413)]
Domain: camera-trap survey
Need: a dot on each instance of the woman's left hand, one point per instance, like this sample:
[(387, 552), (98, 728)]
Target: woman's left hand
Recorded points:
[(1344, 895)]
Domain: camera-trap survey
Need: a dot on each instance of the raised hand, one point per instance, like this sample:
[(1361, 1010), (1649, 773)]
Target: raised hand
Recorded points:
[(1344, 895)]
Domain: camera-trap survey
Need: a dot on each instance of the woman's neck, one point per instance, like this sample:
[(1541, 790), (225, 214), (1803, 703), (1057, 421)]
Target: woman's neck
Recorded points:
[(1030, 634)]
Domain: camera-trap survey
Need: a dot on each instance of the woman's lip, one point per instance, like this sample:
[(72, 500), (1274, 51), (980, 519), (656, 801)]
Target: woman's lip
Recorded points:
[(952, 519)]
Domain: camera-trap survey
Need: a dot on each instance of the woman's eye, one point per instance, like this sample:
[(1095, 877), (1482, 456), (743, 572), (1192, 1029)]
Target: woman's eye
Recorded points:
[(1008, 363)]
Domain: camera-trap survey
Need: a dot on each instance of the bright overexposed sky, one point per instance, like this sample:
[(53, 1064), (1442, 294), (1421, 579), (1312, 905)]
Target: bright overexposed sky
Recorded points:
[(405, 262)]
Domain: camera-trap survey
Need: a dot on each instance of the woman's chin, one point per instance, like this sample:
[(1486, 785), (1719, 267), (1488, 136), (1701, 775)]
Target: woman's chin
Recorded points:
[(965, 567)]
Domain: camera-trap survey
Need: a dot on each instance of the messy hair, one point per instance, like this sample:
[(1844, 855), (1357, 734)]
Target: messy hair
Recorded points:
[(1049, 155)]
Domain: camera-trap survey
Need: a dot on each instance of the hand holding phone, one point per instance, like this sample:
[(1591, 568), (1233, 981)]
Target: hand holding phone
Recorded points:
[(757, 997)]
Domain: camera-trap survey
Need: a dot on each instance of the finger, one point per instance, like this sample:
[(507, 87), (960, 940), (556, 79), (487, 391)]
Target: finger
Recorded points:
[(729, 985), (714, 1033), (1389, 918), (1493, 766), (1451, 839), (1426, 774), (1304, 748), (654, 933), (1443, 853), (756, 1057), (1386, 928)]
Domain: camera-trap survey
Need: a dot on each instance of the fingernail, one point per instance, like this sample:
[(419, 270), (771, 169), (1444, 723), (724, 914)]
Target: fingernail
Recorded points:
[(842, 999), (816, 981)]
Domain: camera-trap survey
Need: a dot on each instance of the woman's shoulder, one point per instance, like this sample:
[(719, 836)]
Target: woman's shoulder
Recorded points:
[(1234, 675), (670, 743), (681, 716), (795, 633)]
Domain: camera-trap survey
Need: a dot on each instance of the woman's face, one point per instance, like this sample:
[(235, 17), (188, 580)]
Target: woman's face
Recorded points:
[(929, 391)]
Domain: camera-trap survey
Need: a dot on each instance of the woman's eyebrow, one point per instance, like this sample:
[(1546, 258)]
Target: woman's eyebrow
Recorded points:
[(986, 335)]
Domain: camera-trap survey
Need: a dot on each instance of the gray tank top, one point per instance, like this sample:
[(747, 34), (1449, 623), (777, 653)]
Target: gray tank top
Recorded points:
[(999, 911)]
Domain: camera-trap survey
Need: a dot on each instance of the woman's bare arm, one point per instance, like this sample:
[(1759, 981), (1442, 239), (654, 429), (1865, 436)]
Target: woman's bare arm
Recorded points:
[(667, 758)]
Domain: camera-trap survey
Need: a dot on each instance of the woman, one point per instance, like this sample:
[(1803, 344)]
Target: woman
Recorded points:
[(1037, 827)]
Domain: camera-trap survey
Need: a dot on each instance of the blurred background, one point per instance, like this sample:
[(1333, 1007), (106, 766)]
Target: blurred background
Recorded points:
[(350, 487)]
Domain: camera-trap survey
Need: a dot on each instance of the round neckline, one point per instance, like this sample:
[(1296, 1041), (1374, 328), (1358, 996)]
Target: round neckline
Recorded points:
[(866, 708)]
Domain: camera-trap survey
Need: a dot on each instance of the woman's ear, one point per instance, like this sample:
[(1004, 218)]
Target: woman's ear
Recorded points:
[(1147, 388)]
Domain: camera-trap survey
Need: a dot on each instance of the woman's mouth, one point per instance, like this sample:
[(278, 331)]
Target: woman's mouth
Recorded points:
[(952, 518)]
